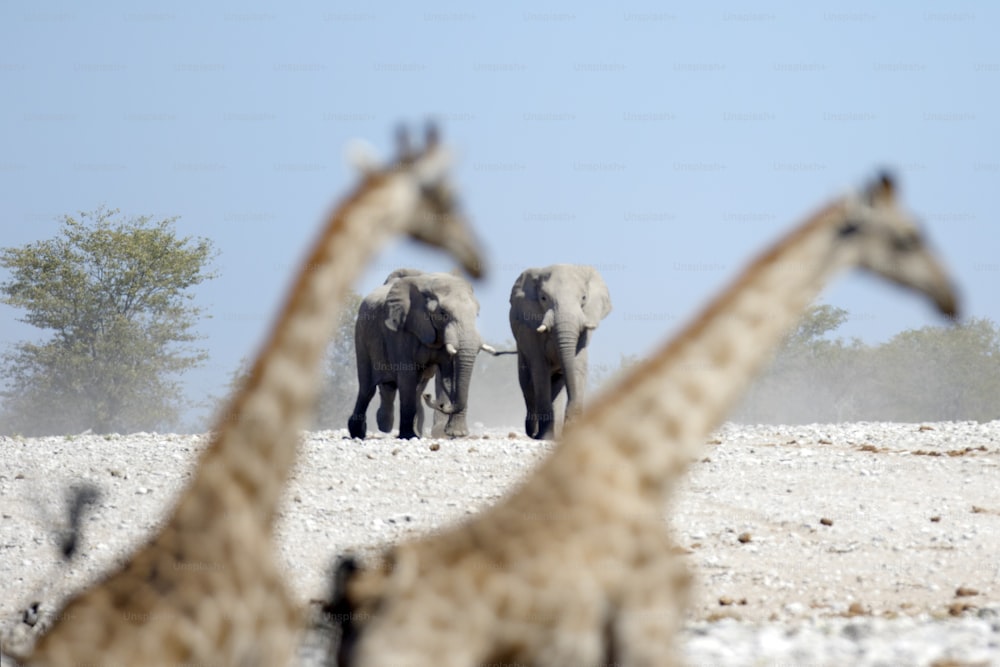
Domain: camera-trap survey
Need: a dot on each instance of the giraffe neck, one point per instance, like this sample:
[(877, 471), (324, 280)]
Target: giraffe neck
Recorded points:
[(255, 438), (657, 417)]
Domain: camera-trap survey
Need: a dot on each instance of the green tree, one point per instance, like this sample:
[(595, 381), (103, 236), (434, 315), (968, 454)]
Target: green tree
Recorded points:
[(114, 295)]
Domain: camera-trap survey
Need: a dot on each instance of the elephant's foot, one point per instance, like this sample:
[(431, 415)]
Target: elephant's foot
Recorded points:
[(540, 425), (385, 418), (407, 434), (456, 428), (357, 427)]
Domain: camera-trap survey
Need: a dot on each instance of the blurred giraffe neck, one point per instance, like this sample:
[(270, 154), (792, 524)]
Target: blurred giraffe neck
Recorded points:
[(658, 415), (255, 439)]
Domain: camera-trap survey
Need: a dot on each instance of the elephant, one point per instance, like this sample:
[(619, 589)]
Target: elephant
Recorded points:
[(553, 311), (414, 327)]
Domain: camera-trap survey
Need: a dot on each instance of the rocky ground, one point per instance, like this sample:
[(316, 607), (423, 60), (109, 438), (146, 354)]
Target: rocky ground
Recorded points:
[(857, 543)]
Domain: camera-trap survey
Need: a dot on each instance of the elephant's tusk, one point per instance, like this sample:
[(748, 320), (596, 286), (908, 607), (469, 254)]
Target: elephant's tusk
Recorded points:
[(451, 349), (495, 352), (542, 328)]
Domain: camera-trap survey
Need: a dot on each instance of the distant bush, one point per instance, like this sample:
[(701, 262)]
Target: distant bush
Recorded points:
[(936, 373)]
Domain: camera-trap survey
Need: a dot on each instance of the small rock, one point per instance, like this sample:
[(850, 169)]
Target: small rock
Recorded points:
[(826, 522), (434, 446), (744, 538), (725, 601), (30, 615), (959, 608), (856, 631), (965, 591), (935, 519), (856, 609), (794, 608)]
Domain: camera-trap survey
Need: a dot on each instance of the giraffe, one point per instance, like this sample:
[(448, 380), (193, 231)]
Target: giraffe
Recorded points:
[(575, 566), (207, 588)]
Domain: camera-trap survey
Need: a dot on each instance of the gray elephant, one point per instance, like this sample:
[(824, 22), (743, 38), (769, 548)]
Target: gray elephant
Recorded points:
[(553, 310), (415, 326)]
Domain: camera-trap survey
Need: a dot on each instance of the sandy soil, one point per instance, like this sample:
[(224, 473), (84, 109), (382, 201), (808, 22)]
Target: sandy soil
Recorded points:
[(781, 524)]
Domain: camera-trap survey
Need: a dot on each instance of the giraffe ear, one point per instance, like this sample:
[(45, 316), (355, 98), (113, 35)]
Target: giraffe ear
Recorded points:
[(361, 155)]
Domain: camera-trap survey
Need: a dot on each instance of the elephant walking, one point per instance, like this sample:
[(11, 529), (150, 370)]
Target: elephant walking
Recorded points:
[(414, 327), (552, 312)]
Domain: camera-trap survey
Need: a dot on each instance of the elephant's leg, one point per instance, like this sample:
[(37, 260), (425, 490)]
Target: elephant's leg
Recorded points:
[(528, 391), (541, 377), (558, 384), (440, 419), (409, 385), (386, 414), (420, 415), (574, 404), (357, 425)]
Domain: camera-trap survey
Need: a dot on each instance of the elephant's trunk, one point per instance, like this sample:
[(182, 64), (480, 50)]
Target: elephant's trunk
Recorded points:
[(567, 339), (465, 360)]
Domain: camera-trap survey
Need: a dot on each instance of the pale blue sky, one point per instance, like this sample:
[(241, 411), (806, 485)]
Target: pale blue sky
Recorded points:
[(665, 143)]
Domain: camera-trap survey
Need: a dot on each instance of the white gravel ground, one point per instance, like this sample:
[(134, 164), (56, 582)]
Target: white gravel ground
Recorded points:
[(812, 545)]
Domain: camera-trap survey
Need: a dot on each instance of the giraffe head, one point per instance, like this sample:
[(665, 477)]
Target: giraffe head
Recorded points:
[(434, 216), (883, 238)]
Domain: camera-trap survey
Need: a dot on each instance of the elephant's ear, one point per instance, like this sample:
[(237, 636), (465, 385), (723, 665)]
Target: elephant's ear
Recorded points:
[(598, 299), (397, 305), (407, 311), (526, 286), (402, 273)]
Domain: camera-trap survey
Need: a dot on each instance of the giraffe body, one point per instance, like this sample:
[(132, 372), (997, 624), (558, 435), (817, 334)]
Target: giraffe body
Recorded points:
[(208, 587), (575, 567)]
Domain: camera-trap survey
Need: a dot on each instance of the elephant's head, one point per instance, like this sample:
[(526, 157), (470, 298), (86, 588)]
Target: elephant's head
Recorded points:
[(564, 296), (440, 310), (564, 301)]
